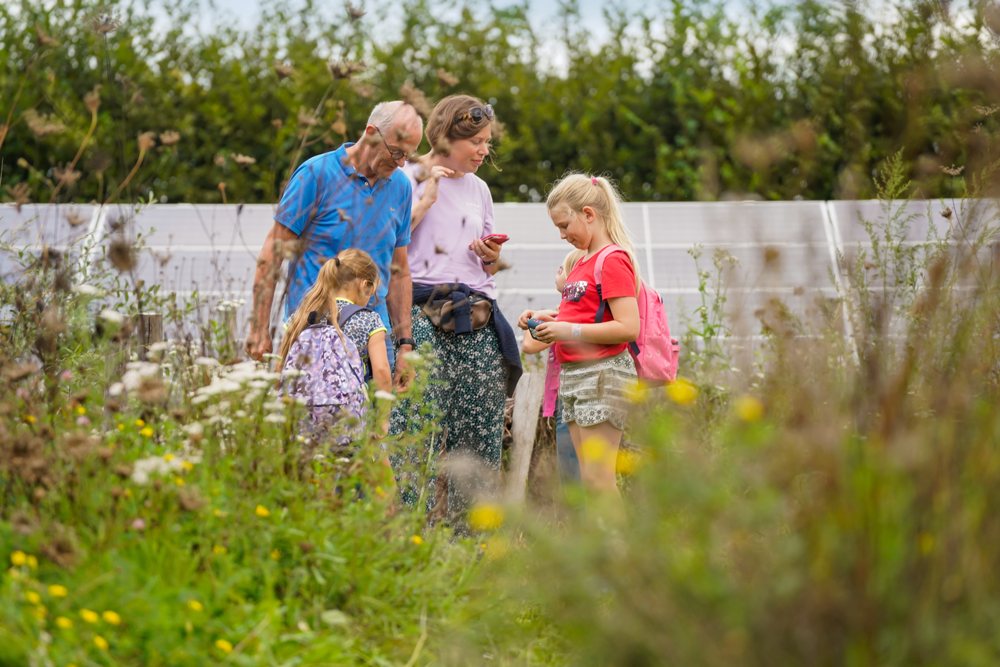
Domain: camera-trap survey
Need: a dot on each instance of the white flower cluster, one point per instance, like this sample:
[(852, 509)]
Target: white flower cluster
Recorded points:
[(88, 290), (231, 304), (155, 465), (134, 373), (234, 378)]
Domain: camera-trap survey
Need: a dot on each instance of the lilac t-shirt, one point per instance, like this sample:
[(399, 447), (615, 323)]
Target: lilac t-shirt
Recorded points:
[(439, 246)]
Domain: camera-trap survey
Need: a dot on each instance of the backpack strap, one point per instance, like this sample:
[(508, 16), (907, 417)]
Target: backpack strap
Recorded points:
[(348, 311), (598, 274)]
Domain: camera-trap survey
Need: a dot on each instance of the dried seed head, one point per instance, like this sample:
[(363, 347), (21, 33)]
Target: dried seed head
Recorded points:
[(345, 70), (244, 160), (65, 175), (283, 71), (146, 141), (170, 138), (93, 99), (354, 12), (339, 126), (151, 390), (105, 23), (987, 111), (121, 254), (42, 124), (363, 89), (307, 119), (446, 78), (74, 218), (44, 39), (190, 500), (278, 123), (416, 99), (953, 170), (946, 214), (220, 160)]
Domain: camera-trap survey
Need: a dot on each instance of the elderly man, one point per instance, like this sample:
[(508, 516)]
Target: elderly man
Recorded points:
[(352, 197)]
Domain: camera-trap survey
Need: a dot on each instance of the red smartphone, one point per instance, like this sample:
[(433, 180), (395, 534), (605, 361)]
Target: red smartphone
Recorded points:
[(496, 238)]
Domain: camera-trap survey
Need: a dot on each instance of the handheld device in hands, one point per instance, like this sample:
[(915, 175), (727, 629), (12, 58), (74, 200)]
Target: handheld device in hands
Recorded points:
[(532, 324), (499, 239)]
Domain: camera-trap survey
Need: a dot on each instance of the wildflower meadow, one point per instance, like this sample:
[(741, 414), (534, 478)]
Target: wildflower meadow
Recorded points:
[(823, 496)]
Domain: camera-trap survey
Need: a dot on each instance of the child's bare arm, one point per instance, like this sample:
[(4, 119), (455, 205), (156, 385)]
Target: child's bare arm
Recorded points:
[(531, 346), (379, 358)]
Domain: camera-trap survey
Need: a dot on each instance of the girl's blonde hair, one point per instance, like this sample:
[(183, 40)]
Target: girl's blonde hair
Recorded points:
[(571, 259), (578, 190), (339, 272)]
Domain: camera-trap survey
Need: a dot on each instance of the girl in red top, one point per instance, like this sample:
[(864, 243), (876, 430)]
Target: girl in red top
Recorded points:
[(597, 368)]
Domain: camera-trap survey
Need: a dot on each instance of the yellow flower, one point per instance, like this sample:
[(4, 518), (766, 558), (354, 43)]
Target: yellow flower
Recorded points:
[(749, 409), (80, 410), (594, 450), (64, 623), (194, 605), (100, 642), (112, 618), (179, 481), (220, 513), (223, 646), (627, 462), (148, 432), (636, 393), (29, 418), (275, 555), (89, 616), (486, 516), (32, 597), (262, 511), (219, 550), (187, 465), (682, 392), (416, 539), (168, 457), (32, 562), (121, 427), (57, 591), (140, 423), (18, 558), (40, 612), (128, 493)]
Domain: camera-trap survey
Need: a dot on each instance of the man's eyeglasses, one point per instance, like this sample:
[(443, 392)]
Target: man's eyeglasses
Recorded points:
[(476, 114), (394, 153)]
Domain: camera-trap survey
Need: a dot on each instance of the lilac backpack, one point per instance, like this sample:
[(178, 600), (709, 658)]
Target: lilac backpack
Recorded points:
[(330, 381), (655, 353)]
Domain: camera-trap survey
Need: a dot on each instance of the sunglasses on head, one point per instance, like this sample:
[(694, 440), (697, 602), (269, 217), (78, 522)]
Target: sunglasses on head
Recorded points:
[(477, 114)]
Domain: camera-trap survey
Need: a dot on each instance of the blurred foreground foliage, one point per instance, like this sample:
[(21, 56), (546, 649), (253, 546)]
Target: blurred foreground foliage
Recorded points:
[(685, 100)]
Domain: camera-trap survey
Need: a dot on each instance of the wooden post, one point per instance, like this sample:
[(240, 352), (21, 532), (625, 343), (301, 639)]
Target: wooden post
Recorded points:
[(524, 424), (149, 327)]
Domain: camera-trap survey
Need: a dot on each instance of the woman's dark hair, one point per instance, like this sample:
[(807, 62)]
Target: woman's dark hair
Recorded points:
[(446, 124)]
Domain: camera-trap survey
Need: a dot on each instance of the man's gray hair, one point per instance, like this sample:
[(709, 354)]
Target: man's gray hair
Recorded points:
[(385, 114)]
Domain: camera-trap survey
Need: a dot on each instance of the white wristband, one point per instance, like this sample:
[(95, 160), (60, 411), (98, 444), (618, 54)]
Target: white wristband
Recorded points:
[(576, 330)]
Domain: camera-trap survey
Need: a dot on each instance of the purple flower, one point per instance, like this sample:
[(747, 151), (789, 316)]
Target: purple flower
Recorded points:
[(139, 525), (66, 375), (83, 420)]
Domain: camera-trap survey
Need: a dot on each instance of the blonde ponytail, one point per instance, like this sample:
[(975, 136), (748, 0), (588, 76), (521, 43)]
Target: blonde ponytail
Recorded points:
[(600, 194), (347, 266)]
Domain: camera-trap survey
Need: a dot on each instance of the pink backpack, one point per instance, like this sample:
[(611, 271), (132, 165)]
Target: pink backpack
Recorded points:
[(654, 351)]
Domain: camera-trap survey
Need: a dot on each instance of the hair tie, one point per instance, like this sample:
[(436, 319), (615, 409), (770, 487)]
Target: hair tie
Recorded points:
[(336, 262), (594, 181)]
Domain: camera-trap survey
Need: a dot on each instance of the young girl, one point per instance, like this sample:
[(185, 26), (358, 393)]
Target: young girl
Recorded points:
[(597, 368), (569, 465), (344, 284)]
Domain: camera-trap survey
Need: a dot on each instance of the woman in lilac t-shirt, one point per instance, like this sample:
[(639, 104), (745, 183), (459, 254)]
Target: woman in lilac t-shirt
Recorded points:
[(452, 212)]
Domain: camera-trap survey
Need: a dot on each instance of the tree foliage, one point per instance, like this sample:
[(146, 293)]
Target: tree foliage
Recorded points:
[(686, 100)]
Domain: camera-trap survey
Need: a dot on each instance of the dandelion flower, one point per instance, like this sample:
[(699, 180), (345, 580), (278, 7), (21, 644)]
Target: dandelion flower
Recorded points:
[(147, 432), (89, 616), (140, 423), (627, 462), (749, 408), (121, 427), (64, 623), (32, 597), (416, 539), (112, 618), (223, 646), (18, 558), (497, 547), (275, 555), (57, 591), (219, 550), (486, 516), (29, 418), (100, 642), (262, 511), (187, 465), (194, 605), (80, 410), (682, 392), (32, 562), (178, 481), (168, 457)]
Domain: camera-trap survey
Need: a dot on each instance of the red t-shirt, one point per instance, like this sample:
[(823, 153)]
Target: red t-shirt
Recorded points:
[(580, 303)]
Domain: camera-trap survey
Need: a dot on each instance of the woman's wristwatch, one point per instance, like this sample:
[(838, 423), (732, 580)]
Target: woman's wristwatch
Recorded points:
[(406, 341)]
